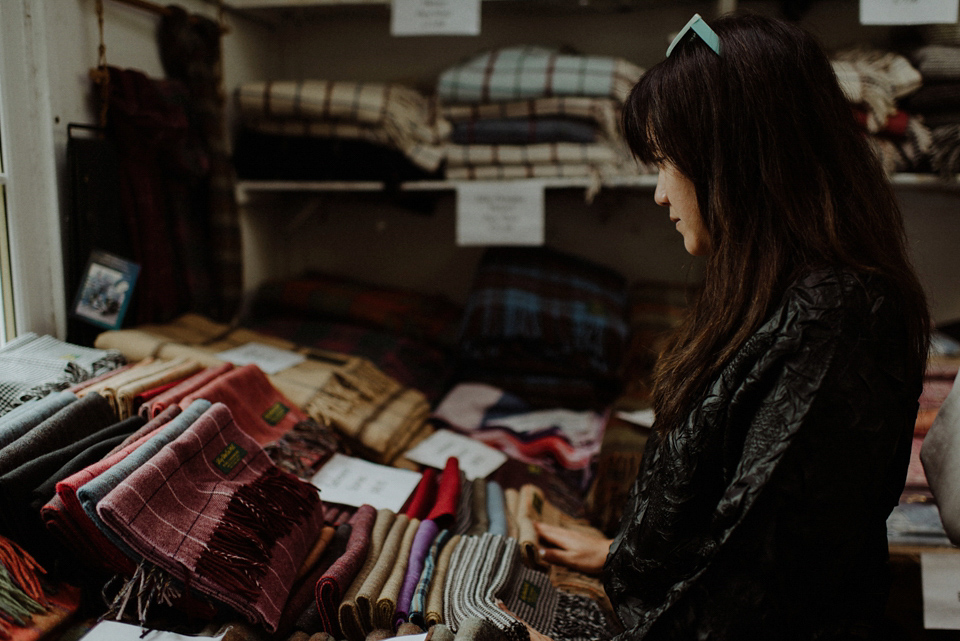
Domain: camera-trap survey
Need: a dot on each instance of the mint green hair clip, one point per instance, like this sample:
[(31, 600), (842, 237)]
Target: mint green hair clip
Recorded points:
[(700, 28)]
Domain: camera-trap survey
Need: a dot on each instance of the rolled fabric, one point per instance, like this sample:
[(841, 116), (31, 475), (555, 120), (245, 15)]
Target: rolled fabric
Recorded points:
[(350, 622), (259, 408), (496, 509), (386, 608), (222, 516), (422, 541), (424, 496), (175, 394), (418, 604), (480, 520), (370, 590), (433, 614), (448, 493), (336, 580), (512, 499)]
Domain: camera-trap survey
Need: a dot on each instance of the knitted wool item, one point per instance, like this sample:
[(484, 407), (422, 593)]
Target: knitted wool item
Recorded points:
[(448, 493), (176, 370), (496, 509), (426, 533), (300, 611), (370, 590), (149, 427), (175, 394), (464, 516), (424, 496), (349, 616), (478, 508), (512, 501), (433, 614), (384, 614), (23, 418), (335, 582), (418, 603), (222, 518), (144, 370)]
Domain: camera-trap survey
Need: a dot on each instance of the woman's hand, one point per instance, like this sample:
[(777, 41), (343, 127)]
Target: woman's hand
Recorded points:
[(535, 635), (574, 549)]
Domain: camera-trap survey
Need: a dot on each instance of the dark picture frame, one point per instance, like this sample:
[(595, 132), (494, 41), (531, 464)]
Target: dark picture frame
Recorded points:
[(105, 290)]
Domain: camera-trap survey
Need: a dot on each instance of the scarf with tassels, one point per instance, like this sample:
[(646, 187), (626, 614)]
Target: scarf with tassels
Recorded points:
[(213, 511)]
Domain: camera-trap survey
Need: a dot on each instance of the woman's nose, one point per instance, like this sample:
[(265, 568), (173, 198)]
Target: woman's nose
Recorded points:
[(660, 193)]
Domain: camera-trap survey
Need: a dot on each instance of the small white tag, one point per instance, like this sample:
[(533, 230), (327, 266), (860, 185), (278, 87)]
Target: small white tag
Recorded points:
[(909, 11), (270, 359), (509, 212), (116, 631), (435, 18), (353, 481), (940, 577), (476, 459)]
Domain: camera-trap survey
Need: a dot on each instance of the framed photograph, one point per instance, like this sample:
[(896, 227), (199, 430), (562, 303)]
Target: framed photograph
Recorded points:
[(105, 290)]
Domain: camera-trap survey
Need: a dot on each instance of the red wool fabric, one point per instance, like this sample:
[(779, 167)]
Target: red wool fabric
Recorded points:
[(174, 395), (336, 580), (448, 494), (424, 496), (211, 509), (259, 408)]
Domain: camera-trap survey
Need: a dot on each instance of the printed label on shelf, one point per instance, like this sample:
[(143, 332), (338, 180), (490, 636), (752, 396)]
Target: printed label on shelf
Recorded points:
[(435, 18), (940, 577), (509, 212), (353, 481), (909, 11)]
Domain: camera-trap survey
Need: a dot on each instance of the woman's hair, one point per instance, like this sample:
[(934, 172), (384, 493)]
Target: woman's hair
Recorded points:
[(785, 180)]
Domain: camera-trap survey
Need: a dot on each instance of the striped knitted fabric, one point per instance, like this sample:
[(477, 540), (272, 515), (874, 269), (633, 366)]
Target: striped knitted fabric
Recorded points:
[(418, 604), (384, 614), (426, 533), (433, 613), (496, 509), (222, 518), (348, 614), (370, 590), (335, 582), (480, 521), (23, 418)]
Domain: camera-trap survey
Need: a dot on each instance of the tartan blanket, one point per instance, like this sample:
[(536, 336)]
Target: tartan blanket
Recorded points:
[(523, 131), (543, 153), (604, 112), (597, 173), (213, 511), (518, 73), (536, 310)]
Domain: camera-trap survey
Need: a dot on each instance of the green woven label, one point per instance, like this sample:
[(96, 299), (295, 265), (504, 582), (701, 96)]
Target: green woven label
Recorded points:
[(537, 503), (228, 458), (529, 594), (276, 413)]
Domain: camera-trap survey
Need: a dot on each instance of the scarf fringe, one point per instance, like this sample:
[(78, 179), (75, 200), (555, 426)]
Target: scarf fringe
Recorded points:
[(257, 515), (24, 569), (150, 584)]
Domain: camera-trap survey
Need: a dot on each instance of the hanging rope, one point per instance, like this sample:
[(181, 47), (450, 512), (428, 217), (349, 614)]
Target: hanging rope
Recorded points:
[(100, 75)]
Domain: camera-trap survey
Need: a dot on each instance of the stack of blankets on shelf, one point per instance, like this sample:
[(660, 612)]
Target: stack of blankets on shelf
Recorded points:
[(533, 112), (938, 101)]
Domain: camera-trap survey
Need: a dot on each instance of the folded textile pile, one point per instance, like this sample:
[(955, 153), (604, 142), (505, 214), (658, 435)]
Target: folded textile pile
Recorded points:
[(938, 102), (532, 112), (546, 326), (876, 82), (379, 417), (337, 130), (564, 441), (33, 366), (406, 334)]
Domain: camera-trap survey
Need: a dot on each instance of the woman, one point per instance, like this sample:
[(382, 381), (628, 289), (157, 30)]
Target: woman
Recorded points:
[(786, 402)]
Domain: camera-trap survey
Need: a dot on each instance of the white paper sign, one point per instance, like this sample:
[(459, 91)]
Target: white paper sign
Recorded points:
[(353, 481), (909, 11), (270, 359), (510, 212), (940, 577), (475, 459), (116, 631), (435, 18), (643, 418)]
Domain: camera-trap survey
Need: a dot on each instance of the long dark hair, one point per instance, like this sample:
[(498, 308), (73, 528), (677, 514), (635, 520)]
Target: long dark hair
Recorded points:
[(785, 182)]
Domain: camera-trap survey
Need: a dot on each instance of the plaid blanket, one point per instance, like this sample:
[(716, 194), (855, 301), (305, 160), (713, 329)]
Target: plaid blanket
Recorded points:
[(543, 153), (604, 112), (524, 171), (542, 311), (212, 510), (937, 62), (518, 73), (522, 131)]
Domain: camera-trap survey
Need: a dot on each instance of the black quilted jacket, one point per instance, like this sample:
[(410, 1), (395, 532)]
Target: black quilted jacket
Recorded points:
[(762, 516)]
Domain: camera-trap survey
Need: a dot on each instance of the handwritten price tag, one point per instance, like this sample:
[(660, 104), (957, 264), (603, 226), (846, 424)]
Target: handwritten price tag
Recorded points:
[(878, 12), (509, 212)]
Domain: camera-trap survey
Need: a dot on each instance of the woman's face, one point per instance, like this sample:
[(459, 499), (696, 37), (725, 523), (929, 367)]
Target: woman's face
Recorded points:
[(676, 191)]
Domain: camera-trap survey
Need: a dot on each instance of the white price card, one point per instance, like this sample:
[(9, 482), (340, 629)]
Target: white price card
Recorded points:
[(268, 358), (940, 577), (477, 460), (435, 18), (509, 212), (353, 481), (116, 631), (891, 12)]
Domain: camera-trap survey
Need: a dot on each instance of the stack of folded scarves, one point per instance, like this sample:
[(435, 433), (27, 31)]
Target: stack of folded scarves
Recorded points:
[(337, 130), (938, 102), (532, 112)]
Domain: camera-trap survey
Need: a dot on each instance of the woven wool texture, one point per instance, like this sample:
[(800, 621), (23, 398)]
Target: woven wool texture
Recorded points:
[(335, 582), (384, 614), (370, 590), (350, 622)]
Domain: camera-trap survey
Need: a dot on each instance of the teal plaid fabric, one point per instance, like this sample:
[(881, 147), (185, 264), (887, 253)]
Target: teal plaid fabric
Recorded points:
[(419, 602), (518, 73)]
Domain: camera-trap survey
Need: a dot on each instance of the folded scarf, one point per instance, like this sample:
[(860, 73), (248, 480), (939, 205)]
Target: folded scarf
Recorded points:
[(176, 370), (317, 550), (384, 614), (370, 590), (174, 395), (351, 624), (150, 427), (448, 494), (433, 613), (25, 417), (259, 408), (300, 612), (144, 370), (426, 533), (222, 518), (937, 62), (601, 112), (424, 495), (480, 521), (520, 131), (336, 581), (496, 509), (418, 604)]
